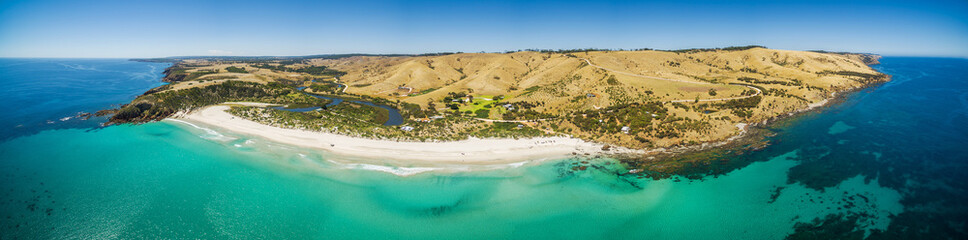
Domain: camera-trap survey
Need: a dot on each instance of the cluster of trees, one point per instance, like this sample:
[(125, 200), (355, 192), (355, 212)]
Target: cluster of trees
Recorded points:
[(162, 104), (678, 105), (359, 122), (750, 102), (782, 93), (502, 129), (690, 125), (741, 48), (438, 54), (319, 70), (280, 67), (526, 115), (523, 105), (749, 70), (578, 98), (290, 62), (313, 70), (680, 124), (455, 100), (528, 90), (413, 110), (458, 95), (347, 118), (483, 112), (422, 92), (741, 107), (325, 87), (559, 51), (371, 114), (611, 80), (637, 116), (234, 69), (586, 50), (733, 48), (523, 110), (758, 81), (866, 78)]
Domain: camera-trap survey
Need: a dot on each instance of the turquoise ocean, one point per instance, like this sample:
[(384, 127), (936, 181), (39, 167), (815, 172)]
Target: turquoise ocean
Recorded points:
[(889, 162)]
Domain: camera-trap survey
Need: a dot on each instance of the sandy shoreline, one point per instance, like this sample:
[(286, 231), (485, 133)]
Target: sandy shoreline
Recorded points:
[(471, 151)]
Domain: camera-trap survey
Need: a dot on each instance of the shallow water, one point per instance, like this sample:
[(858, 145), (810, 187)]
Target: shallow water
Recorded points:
[(886, 156)]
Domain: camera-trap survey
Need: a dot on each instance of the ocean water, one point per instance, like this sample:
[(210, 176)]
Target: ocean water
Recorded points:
[(42, 94), (888, 162)]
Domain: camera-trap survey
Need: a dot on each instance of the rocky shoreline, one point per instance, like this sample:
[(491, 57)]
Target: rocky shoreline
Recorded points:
[(714, 158)]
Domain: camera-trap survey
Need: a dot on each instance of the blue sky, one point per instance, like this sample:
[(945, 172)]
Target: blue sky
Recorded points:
[(138, 28)]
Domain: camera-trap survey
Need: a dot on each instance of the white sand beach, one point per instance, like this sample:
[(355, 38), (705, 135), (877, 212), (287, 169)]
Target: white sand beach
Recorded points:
[(471, 151)]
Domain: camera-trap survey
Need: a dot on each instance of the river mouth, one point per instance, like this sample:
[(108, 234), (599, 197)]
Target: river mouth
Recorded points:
[(394, 116)]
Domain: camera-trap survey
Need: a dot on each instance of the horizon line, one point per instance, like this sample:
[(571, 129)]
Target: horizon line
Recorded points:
[(460, 52)]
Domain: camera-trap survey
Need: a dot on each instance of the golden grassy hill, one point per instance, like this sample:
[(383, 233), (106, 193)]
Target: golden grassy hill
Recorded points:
[(513, 73), (792, 80), (636, 99)]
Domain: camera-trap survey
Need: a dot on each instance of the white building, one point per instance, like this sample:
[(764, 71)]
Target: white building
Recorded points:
[(509, 107)]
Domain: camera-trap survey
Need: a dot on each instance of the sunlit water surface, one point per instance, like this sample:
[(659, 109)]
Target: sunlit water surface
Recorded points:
[(885, 156)]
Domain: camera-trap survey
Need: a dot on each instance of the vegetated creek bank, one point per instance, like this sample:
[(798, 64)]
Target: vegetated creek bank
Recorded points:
[(394, 114)]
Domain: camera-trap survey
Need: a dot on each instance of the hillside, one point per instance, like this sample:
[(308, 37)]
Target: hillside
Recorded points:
[(565, 84), (636, 99)]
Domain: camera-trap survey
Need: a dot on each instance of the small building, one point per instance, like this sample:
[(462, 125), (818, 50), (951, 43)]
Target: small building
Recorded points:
[(426, 120), (626, 129), (508, 106), (406, 128), (520, 126), (590, 95)]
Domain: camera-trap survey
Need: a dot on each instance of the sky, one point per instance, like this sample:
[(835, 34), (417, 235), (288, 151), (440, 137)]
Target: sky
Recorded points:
[(140, 28)]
